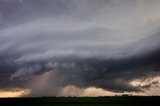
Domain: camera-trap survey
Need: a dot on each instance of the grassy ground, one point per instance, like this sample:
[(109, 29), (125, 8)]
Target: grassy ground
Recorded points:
[(82, 101)]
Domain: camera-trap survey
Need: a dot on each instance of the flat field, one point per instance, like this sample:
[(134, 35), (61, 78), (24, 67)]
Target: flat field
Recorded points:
[(83, 101)]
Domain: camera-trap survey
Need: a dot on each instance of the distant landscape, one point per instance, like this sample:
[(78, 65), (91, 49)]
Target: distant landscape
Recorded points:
[(83, 101)]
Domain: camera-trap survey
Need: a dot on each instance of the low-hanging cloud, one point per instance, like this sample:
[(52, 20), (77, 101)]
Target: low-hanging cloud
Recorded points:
[(85, 43)]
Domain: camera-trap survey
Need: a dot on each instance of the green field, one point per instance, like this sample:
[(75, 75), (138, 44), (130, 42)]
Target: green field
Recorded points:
[(82, 101)]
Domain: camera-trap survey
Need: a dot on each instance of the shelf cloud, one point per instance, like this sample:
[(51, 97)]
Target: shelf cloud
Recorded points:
[(46, 45)]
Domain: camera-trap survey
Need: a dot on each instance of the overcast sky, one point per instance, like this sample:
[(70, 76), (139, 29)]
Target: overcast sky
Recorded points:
[(53, 47)]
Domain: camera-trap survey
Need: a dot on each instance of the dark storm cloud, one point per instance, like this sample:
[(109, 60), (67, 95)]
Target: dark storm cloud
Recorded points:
[(85, 43)]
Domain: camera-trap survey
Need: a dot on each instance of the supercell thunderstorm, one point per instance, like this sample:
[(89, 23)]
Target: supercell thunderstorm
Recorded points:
[(85, 43)]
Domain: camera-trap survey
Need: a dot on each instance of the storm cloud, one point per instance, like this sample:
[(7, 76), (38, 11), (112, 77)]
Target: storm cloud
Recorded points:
[(46, 45)]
